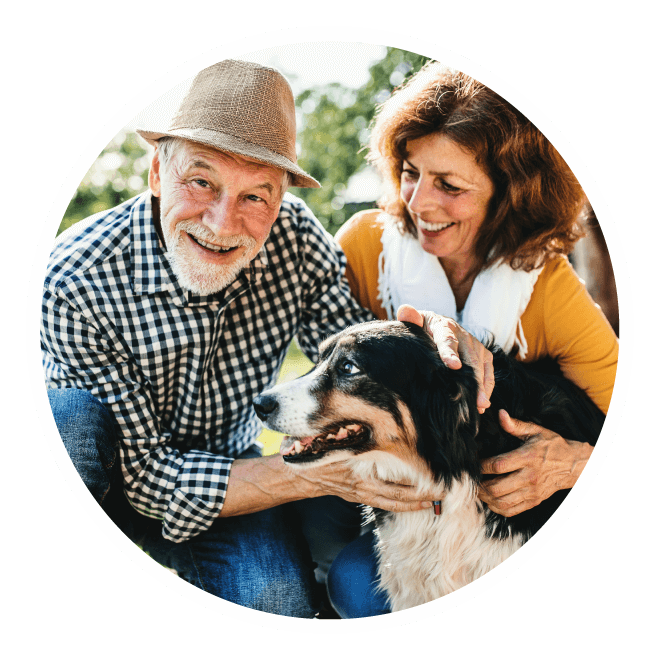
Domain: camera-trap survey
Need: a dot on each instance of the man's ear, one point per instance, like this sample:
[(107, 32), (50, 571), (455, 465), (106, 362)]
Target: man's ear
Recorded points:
[(154, 175)]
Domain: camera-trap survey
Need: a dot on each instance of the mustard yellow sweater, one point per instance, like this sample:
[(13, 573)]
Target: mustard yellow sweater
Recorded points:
[(561, 320)]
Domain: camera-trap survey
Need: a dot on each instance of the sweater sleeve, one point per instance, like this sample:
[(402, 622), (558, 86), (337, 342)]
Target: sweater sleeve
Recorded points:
[(360, 239), (564, 322)]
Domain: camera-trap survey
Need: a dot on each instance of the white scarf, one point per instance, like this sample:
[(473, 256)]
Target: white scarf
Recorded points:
[(497, 300)]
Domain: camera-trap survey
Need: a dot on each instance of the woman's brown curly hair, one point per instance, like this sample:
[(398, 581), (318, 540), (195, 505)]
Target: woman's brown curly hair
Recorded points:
[(536, 207)]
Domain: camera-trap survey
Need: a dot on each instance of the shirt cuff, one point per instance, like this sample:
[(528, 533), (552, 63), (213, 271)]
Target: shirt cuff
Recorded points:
[(198, 496)]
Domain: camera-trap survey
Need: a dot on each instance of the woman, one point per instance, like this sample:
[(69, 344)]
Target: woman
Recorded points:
[(479, 214)]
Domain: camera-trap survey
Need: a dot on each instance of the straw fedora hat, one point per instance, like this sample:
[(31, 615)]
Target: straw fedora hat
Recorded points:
[(245, 109)]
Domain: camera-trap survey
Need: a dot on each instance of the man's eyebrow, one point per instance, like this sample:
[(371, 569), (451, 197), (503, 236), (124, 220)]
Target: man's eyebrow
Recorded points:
[(201, 164), (268, 186)]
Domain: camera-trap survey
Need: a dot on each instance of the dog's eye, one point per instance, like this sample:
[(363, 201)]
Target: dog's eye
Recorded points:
[(348, 368)]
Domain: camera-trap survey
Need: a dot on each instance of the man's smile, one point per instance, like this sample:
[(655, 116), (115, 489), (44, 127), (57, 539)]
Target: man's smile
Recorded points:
[(218, 249), (210, 252)]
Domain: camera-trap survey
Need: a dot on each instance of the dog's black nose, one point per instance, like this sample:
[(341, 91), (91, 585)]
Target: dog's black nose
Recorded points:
[(264, 405)]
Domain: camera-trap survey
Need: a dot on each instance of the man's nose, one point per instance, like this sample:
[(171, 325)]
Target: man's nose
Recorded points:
[(221, 216)]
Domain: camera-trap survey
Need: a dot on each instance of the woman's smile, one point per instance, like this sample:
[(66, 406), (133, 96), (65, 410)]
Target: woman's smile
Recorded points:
[(433, 228)]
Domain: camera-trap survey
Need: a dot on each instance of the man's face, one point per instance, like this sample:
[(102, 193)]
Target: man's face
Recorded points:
[(216, 212)]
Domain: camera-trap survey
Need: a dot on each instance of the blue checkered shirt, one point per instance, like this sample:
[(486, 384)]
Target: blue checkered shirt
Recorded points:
[(179, 371)]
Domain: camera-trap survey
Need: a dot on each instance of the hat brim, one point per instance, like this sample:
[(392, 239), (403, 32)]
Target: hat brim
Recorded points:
[(235, 145)]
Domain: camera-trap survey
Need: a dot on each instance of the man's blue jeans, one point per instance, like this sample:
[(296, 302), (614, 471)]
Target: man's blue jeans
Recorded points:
[(261, 560)]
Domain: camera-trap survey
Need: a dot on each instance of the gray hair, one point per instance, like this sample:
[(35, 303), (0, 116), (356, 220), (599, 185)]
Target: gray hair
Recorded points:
[(167, 147), (170, 144)]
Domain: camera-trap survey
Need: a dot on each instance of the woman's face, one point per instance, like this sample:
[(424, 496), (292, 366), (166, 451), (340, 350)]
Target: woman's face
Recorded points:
[(447, 195)]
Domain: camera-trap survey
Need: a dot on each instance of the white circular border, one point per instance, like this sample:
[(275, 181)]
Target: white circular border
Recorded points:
[(241, 48)]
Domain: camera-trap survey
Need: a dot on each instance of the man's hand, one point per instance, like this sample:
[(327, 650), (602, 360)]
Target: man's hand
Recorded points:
[(545, 464), (256, 484), (339, 479), (452, 341)]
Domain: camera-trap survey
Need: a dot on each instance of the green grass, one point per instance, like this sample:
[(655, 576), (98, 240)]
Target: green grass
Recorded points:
[(295, 364)]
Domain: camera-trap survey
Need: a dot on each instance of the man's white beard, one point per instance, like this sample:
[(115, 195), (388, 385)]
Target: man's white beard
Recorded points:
[(197, 275)]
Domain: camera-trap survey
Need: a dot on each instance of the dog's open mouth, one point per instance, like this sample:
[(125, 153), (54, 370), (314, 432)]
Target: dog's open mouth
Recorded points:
[(311, 448)]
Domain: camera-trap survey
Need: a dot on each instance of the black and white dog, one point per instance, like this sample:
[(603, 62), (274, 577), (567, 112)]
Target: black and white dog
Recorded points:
[(381, 398)]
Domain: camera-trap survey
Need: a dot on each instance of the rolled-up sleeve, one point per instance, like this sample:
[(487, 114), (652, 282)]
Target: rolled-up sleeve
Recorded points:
[(185, 490)]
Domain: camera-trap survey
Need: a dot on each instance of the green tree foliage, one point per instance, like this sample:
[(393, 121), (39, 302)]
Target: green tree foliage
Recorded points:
[(119, 173), (333, 132)]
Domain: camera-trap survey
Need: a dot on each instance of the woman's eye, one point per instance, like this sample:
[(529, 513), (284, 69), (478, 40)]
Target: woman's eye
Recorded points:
[(349, 368), (409, 175), (452, 190)]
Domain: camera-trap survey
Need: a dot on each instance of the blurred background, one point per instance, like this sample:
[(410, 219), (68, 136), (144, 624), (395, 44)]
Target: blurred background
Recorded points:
[(337, 87)]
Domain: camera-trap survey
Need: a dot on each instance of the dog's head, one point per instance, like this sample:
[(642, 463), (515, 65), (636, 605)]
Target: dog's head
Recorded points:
[(378, 387)]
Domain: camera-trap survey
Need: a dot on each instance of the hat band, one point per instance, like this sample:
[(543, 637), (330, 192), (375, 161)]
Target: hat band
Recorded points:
[(236, 145)]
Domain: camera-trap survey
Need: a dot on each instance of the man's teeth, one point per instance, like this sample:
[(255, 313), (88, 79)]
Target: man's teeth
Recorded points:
[(433, 226), (211, 246)]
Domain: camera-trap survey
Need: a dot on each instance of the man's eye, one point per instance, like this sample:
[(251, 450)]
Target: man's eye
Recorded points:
[(254, 198), (202, 183), (348, 368)]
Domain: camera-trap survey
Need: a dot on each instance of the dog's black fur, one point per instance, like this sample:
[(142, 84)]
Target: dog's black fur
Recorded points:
[(452, 436), (390, 364)]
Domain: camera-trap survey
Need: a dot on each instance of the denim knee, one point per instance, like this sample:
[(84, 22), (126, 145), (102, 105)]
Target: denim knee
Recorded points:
[(329, 524), (353, 581), (88, 433), (257, 560)]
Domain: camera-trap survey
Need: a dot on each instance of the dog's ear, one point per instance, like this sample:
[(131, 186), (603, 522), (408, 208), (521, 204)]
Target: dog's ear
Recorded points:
[(447, 419)]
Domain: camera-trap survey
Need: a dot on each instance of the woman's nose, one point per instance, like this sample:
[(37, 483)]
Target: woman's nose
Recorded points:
[(422, 198)]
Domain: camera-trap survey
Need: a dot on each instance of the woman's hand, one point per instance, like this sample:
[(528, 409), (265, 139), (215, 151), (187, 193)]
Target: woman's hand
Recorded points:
[(545, 464), (452, 341)]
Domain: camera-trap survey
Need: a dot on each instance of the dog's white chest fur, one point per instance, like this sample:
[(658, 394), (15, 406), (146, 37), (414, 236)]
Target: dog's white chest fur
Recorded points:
[(423, 556)]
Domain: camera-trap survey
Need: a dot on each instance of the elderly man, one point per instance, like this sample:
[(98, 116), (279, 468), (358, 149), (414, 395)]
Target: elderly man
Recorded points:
[(164, 317)]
